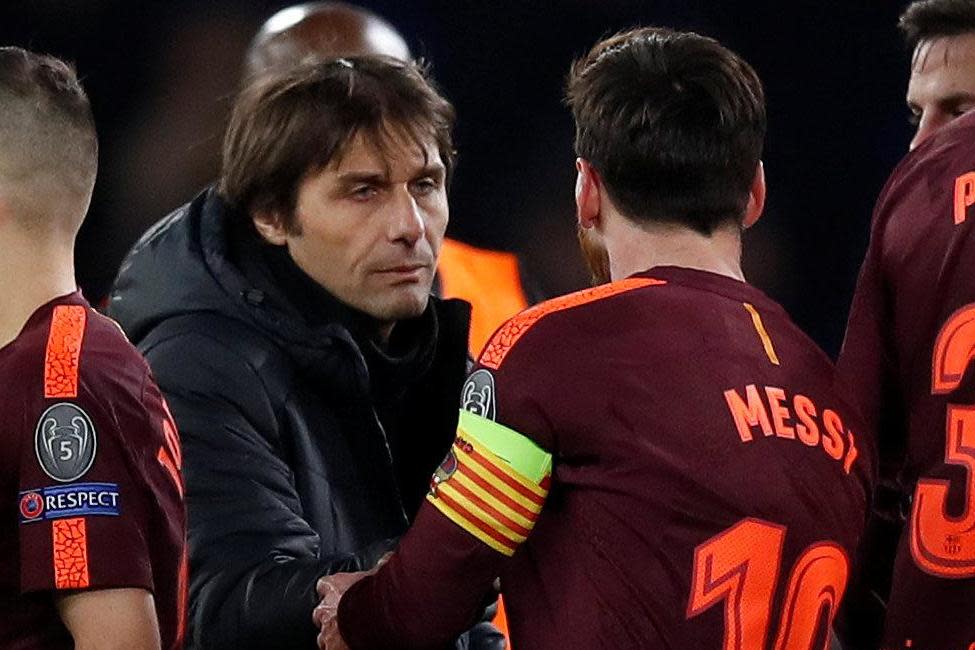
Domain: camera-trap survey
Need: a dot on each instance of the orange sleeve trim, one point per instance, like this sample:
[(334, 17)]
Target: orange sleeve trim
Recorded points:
[(64, 351), (506, 337), (70, 553)]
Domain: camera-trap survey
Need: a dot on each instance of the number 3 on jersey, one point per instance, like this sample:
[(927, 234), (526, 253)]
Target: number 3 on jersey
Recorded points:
[(943, 545), (741, 567)]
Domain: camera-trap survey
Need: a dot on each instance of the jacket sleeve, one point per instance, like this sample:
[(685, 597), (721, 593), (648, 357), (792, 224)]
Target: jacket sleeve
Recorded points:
[(254, 560)]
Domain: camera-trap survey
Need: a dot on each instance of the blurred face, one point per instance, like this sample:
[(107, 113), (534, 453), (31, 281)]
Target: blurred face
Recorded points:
[(369, 227), (942, 85)]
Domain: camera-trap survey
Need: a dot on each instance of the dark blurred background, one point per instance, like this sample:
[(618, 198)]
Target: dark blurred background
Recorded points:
[(162, 74)]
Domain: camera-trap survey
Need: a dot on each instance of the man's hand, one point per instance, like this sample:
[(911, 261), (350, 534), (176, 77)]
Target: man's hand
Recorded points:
[(331, 589)]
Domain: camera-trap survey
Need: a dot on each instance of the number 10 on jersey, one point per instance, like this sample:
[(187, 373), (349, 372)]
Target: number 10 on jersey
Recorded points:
[(740, 567)]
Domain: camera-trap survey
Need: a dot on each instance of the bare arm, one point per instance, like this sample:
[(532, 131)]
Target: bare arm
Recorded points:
[(111, 619)]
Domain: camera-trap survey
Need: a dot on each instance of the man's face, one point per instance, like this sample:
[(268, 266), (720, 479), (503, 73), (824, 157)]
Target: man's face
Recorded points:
[(371, 224), (942, 85)]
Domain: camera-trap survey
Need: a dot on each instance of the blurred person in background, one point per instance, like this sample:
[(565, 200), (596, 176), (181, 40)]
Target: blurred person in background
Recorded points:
[(902, 592), (93, 534), (491, 281), (941, 34), (658, 462), (287, 315)]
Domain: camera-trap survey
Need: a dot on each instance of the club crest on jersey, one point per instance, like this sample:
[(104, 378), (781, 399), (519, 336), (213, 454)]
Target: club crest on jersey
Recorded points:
[(444, 472), (477, 396), (65, 442)]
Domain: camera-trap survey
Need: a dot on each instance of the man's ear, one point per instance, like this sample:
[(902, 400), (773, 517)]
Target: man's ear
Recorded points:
[(756, 197), (588, 194), (270, 226)]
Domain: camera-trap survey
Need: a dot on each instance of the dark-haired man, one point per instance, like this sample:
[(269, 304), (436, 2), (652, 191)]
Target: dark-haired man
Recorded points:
[(93, 529), (658, 462), (287, 315), (489, 280), (941, 34)]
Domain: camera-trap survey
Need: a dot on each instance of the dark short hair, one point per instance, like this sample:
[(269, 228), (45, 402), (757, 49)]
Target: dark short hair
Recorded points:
[(294, 123), (927, 19), (47, 133), (673, 122)]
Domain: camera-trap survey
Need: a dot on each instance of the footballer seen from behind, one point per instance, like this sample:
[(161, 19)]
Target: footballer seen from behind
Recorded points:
[(661, 461), (93, 531)]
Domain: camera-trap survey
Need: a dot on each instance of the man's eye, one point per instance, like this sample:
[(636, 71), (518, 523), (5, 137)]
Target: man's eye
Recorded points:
[(914, 119), (961, 110), (363, 192), (425, 186)]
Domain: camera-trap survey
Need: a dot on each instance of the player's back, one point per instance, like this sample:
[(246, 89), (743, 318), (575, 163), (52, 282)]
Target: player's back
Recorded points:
[(89, 474), (709, 484), (910, 339)]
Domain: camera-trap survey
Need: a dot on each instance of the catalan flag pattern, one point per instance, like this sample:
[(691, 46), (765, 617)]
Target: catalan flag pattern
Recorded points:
[(486, 496)]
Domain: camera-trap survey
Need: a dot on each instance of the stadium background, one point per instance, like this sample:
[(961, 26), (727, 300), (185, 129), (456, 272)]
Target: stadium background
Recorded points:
[(162, 73)]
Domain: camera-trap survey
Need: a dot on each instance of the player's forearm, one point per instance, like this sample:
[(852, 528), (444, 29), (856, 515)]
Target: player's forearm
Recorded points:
[(111, 619), (100, 642), (419, 599)]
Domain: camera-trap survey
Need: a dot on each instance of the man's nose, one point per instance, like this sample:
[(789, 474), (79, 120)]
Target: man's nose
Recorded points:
[(406, 222)]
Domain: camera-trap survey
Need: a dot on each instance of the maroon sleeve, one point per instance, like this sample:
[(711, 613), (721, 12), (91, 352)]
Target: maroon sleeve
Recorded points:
[(436, 584), (82, 505), (865, 367), (433, 588)]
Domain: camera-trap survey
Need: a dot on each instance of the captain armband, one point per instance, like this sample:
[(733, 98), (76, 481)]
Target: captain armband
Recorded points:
[(493, 482)]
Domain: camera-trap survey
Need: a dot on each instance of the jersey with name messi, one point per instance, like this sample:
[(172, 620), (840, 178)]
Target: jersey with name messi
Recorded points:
[(90, 487), (705, 485), (907, 359)]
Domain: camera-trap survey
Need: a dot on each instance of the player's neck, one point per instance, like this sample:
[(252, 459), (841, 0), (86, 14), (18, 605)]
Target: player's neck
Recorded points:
[(32, 276), (634, 248)]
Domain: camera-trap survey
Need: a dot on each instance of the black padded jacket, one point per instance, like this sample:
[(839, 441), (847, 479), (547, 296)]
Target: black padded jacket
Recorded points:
[(287, 468)]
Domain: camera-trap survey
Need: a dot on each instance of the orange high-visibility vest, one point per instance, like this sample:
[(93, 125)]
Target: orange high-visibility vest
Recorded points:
[(491, 282), (487, 279)]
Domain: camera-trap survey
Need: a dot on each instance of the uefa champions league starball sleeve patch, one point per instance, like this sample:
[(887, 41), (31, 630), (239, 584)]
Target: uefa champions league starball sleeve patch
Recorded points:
[(65, 442)]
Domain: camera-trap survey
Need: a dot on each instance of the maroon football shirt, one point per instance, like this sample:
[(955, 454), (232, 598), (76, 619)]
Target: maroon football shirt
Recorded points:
[(909, 341), (90, 486), (709, 485)]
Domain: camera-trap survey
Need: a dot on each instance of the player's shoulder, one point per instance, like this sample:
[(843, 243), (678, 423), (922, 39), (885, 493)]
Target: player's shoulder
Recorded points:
[(85, 351), (952, 141), (107, 344), (944, 158), (561, 319)]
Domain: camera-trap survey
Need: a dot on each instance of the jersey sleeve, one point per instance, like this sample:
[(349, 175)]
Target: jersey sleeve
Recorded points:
[(82, 500), (485, 498)]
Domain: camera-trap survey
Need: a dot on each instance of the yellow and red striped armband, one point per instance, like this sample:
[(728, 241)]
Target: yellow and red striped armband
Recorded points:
[(493, 482)]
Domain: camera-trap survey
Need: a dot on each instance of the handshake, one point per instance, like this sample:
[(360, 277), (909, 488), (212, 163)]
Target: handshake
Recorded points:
[(330, 589)]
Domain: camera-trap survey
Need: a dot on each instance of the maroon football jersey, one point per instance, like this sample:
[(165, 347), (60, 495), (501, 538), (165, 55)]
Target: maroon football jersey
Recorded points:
[(909, 341), (90, 486), (708, 485)]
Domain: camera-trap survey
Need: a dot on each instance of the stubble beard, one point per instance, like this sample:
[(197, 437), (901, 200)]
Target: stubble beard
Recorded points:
[(596, 256)]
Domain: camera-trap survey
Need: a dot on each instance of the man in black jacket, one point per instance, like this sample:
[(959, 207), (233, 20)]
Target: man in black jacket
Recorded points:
[(287, 317)]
